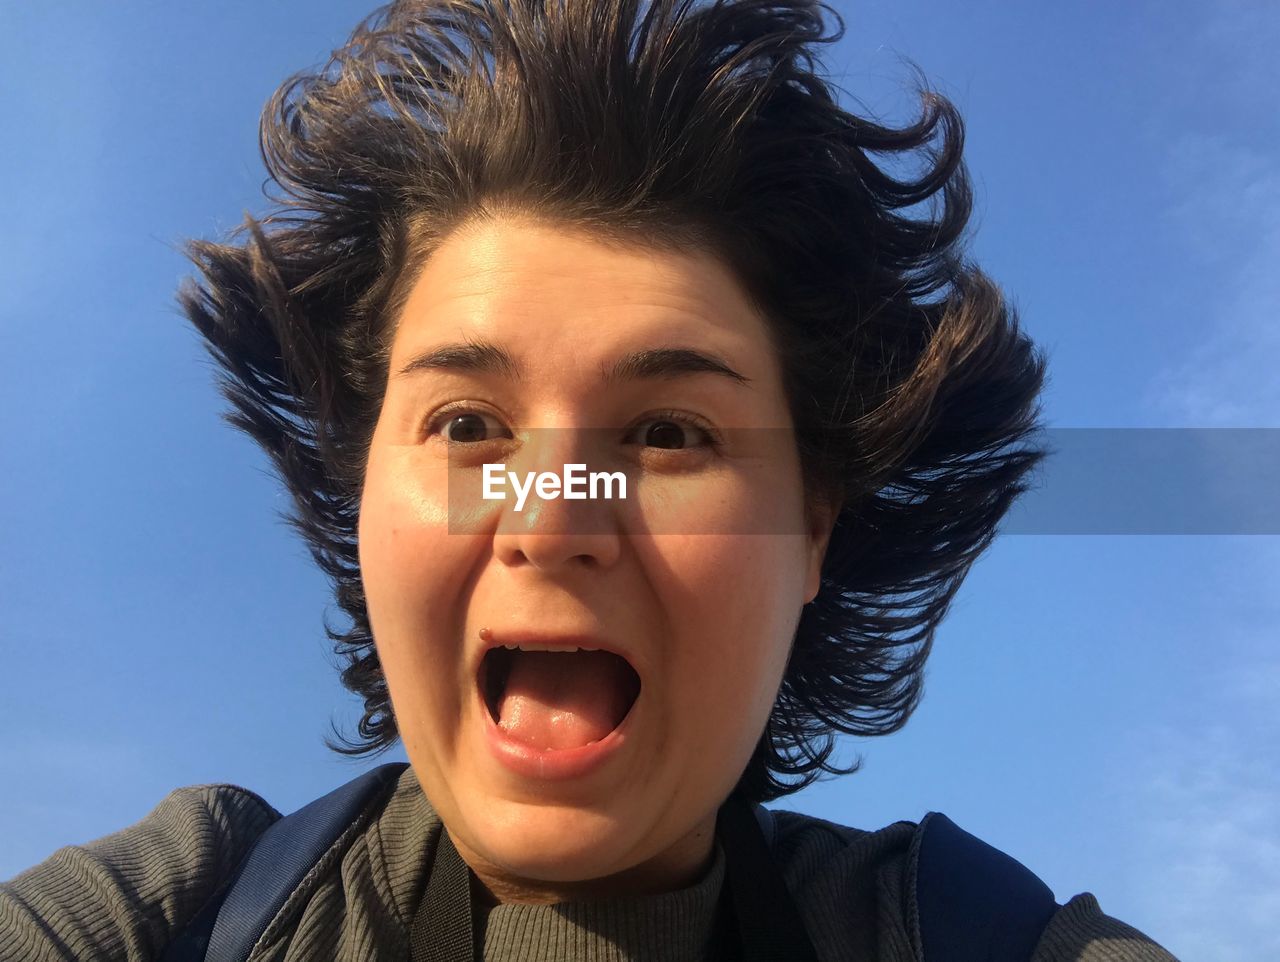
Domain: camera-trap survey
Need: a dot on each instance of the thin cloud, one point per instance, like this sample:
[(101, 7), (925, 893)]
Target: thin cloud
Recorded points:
[(1209, 822), (1222, 177), (1206, 833), (1203, 786), (1228, 216)]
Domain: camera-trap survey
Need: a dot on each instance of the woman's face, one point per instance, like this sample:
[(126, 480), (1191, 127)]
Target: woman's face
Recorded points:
[(677, 577)]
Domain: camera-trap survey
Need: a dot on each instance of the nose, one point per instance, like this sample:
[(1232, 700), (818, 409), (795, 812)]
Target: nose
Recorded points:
[(552, 536), (557, 533)]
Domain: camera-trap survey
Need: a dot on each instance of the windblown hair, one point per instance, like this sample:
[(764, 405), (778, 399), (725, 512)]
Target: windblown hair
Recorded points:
[(692, 126)]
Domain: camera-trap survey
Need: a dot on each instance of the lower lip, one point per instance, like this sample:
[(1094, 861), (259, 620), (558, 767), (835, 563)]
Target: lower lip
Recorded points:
[(553, 765)]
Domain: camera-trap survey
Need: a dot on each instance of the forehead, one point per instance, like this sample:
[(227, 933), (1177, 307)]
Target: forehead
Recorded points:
[(492, 276)]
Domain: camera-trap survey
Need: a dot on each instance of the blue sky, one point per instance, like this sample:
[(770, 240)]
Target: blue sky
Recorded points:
[(1101, 707)]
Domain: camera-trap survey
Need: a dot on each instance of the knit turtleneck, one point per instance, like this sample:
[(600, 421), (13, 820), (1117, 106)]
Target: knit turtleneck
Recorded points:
[(675, 925)]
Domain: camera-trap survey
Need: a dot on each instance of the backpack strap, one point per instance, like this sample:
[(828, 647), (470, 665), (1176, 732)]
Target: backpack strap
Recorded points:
[(768, 925), (229, 925), (974, 902), (767, 826)]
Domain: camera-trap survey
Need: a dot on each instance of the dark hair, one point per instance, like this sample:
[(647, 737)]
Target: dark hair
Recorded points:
[(697, 127)]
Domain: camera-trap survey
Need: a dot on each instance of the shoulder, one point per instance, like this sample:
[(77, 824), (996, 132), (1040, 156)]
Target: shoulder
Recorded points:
[(126, 894), (357, 864), (857, 890), (1081, 932), (812, 850), (850, 884)]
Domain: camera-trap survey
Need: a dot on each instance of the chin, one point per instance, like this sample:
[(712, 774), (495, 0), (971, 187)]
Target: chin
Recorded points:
[(555, 844)]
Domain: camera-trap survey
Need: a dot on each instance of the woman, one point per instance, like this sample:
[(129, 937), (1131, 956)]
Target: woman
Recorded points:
[(644, 239)]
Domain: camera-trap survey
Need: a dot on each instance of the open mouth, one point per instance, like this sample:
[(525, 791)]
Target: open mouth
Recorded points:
[(555, 700)]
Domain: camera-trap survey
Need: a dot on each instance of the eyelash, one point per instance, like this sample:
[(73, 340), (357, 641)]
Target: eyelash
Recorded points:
[(714, 438)]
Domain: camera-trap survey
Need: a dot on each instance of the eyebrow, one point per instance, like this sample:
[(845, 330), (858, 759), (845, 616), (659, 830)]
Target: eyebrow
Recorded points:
[(485, 358)]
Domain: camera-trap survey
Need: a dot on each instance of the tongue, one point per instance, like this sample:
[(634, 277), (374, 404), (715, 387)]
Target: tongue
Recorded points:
[(556, 700)]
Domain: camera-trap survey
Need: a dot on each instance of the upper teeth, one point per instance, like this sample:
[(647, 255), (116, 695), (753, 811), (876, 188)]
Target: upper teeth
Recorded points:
[(545, 648)]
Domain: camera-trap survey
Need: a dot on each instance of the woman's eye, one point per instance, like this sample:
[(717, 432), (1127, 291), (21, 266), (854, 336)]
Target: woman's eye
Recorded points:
[(671, 433), (467, 427)]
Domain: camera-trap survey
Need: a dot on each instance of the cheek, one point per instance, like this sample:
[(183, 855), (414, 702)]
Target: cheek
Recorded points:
[(410, 564), (399, 519), (734, 606)]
